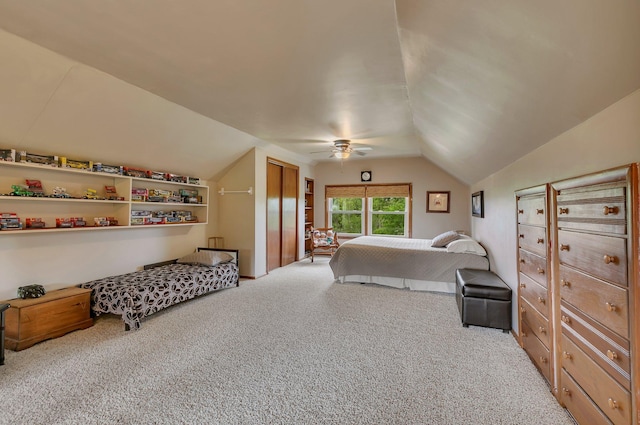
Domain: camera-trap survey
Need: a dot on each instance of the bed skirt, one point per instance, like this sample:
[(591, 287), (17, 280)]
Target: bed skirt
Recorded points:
[(401, 283)]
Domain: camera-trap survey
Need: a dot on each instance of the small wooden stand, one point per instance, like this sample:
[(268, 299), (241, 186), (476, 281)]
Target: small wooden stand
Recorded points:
[(32, 320)]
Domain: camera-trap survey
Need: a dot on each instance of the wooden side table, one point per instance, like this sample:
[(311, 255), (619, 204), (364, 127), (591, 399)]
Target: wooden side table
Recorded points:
[(3, 307), (32, 320)]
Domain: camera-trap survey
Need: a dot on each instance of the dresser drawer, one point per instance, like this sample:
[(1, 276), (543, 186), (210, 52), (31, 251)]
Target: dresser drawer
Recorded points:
[(532, 210), (533, 239), (535, 294), (601, 210), (606, 303), (538, 323), (536, 350), (579, 404), (604, 257), (607, 394), (607, 349), (533, 266)]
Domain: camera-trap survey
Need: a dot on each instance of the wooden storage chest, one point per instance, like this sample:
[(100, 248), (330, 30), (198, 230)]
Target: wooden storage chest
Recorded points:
[(32, 320)]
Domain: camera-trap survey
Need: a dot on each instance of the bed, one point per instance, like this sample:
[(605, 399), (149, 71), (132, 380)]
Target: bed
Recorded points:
[(407, 263), (139, 294)]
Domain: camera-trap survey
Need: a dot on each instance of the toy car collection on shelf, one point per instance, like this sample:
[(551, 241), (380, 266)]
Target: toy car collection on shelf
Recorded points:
[(11, 155), (58, 195)]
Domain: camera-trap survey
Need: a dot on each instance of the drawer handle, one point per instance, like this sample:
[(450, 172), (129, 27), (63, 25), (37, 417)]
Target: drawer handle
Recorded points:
[(540, 240), (564, 210), (611, 307), (540, 271), (610, 259), (542, 330), (523, 285), (566, 391), (539, 211), (523, 310), (609, 210), (520, 211), (564, 247), (522, 260), (566, 319), (613, 404), (521, 236), (543, 359), (541, 300), (565, 283), (566, 355), (612, 354)]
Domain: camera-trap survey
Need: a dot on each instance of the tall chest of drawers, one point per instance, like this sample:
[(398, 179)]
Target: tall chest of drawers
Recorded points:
[(594, 277), (534, 296), (587, 299)]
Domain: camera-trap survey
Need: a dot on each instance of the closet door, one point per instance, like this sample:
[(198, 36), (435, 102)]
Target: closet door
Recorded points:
[(274, 214), (289, 215), (282, 214)]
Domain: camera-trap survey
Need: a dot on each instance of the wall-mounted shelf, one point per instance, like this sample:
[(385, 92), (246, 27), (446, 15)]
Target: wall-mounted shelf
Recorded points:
[(76, 183)]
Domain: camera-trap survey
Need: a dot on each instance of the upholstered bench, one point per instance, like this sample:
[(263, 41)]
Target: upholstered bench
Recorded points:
[(483, 299)]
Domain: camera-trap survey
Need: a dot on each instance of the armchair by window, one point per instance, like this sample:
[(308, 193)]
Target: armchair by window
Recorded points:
[(325, 241)]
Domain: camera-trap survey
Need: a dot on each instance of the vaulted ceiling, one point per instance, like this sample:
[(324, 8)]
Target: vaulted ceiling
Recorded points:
[(471, 85)]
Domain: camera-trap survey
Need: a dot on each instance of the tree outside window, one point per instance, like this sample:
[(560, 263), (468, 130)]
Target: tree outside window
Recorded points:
[(346, 215), (388, 216)]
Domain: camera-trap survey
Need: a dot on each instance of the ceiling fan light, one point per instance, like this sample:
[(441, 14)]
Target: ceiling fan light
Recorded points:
[(342, 154)]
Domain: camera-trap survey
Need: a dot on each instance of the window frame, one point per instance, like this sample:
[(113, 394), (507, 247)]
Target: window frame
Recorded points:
[(389, 190)]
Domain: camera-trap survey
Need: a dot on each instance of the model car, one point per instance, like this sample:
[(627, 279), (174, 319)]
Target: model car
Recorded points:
[(20, 190), (59, 192), (91, 194)]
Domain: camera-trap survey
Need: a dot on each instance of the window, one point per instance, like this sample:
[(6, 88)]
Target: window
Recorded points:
[(347, 215), (369, 210), (388, 216)]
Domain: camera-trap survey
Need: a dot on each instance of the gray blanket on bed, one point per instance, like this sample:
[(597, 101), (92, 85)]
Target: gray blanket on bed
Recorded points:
[(400, 257)]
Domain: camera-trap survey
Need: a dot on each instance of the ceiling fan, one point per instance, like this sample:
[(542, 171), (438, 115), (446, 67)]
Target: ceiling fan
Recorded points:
[(342, 149)]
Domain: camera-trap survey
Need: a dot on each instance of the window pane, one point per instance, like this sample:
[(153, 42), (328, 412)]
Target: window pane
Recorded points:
[(387, 224), (346, 223), (389, 204), (346, 204)]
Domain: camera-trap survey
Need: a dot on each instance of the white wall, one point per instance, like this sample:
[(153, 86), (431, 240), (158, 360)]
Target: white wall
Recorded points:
[(243, 218), (607, 140), (50, 104), (236, 211), (423, 174)]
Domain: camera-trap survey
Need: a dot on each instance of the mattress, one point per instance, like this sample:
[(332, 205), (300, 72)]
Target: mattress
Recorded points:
[(401, 263)]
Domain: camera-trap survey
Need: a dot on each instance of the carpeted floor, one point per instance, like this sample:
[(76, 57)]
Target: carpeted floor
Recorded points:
[(289, 348)]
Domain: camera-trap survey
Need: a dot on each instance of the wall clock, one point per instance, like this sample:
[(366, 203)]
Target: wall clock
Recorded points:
[(365, 176)]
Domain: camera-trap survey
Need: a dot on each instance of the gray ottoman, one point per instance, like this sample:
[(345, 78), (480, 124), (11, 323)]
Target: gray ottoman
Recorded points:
[(483, 299)]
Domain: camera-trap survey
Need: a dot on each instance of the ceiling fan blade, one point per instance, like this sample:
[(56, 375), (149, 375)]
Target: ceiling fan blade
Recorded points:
[(363, 148), (358, 152)]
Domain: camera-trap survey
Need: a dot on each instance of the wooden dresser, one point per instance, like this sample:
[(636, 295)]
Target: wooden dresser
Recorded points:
[(32, 320), (593, 295), (534, 293), (594, 270)]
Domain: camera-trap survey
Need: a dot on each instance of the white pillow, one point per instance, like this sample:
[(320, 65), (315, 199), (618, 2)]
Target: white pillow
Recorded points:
[(443, 239), (468, 246), (206, 258)]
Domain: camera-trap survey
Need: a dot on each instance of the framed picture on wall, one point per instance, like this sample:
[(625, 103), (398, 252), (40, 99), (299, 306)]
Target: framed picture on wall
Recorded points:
[(477, 204), (438, 202)]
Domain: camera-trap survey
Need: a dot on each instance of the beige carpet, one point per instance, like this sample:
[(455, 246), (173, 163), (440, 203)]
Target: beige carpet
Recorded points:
[(289, 348)]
